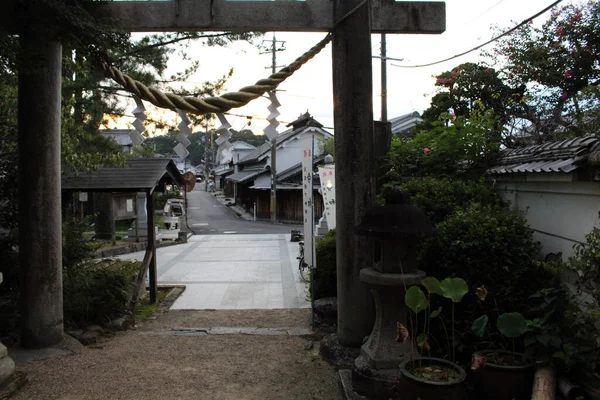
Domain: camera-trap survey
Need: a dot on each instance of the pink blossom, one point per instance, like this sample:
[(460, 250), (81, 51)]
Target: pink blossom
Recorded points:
[(556, 45), (560, 31), (453, 117), (564, 96), (426, 150), (576, 17), (568, 73), (489, 70)]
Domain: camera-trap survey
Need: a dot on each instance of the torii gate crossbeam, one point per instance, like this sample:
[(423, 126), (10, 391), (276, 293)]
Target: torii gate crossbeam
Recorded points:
[(39, 130)]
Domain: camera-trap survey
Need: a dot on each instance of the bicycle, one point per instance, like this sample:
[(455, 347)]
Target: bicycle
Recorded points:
[(302, 266)]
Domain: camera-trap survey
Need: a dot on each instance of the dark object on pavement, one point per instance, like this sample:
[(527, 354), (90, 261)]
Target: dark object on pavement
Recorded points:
[(296, 236)]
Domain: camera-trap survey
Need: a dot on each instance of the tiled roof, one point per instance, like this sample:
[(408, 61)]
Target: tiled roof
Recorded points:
[(265, 147), (140, 174), (564, 156), (406, 123), (244, 176)]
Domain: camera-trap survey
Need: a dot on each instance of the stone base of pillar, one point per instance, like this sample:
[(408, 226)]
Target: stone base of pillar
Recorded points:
[(7, 365), (374, 383), (11, 386), (337, 354)]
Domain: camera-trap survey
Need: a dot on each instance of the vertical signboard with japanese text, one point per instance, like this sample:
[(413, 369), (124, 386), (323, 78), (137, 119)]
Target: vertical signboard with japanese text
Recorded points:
[(327, 178), (307, 198)]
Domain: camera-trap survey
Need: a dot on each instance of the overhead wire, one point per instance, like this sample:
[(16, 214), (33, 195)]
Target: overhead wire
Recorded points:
[(508, 32)]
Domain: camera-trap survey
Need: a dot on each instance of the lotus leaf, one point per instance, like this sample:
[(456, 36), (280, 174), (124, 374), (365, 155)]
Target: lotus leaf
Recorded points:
[(454, 289), (512, 324), (415, 299), (432, 285)]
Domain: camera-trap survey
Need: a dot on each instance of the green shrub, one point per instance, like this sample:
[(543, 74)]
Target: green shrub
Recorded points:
[(96, 291), (75, 247), (462, 147), (325, 274), (441, 197), (487, 246), (586, 263)]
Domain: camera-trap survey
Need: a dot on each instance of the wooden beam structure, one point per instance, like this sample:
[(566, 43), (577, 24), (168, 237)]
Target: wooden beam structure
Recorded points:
[(387, 16)]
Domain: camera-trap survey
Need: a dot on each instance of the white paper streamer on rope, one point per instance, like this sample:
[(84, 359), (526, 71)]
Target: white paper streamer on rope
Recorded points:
[(140, 116), (181, 151), (271, 129), (226, 145), (225, 125), (182, 136), (184, 125), (224, 135)]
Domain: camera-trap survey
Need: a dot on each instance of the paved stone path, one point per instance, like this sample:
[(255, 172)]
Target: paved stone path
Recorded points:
[(257, 271)]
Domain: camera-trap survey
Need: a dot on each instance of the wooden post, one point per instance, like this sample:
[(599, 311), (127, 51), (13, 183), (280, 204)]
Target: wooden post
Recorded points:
[(355, 169), (273, 179), (544, 384), (151, 245)]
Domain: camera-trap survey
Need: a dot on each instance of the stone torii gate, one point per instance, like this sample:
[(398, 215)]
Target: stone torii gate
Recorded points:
[(39, 131)]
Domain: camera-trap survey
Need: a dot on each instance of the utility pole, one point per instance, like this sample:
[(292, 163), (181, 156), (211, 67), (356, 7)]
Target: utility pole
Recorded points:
[(273, 49), (383, 79)]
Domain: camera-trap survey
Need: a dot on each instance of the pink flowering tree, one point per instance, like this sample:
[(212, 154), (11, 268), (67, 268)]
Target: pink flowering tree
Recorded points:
[(469, 86), (559, 65), (463, 148)]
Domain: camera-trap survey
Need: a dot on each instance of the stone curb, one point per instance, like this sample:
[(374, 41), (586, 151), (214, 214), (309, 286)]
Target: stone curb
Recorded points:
[(222, 330), (130, 248)]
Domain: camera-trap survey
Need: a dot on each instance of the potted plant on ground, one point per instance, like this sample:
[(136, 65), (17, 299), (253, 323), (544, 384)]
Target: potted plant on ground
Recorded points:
[(499, 373), (425, 377)]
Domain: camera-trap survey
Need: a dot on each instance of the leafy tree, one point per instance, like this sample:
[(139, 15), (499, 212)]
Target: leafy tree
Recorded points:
[(246, 135), (466, 87), (456, 147), (558, 63)]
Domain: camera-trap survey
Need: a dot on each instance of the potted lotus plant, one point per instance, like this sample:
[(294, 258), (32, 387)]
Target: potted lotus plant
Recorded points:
[(500, 373), (425, 377)]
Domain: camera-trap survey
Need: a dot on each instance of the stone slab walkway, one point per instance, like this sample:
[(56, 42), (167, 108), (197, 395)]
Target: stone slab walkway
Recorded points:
[(257, 271)]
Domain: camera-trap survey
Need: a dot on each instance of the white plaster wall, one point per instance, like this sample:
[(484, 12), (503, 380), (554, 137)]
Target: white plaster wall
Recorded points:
[(263, 180), (561, 213), (290, 153)]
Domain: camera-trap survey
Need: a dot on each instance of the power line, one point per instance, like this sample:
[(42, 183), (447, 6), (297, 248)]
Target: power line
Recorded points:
[(484, 12), (525, 21)]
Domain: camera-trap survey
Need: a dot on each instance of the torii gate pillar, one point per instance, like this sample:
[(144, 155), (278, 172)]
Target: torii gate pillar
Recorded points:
[(40, 233), (355, 167)]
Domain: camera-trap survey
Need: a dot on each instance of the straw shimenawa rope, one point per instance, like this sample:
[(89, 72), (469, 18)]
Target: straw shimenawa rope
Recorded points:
[(227, 101), (219, 104)]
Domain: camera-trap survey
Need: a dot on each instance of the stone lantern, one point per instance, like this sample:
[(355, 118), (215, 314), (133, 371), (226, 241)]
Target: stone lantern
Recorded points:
[(7, 365), (395, 230)]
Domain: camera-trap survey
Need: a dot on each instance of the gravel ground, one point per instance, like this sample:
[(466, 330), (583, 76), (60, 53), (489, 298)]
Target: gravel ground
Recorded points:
[(150, 363)]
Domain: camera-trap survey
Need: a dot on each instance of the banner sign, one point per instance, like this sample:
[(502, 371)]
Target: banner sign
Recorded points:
[(327, 177), (307, 198)]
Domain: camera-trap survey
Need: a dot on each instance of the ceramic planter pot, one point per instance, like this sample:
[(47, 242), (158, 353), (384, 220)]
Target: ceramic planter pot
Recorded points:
[(413, 387), (503, 382)]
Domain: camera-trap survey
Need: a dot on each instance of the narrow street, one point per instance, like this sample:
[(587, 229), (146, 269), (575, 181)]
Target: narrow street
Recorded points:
[(231, 263), (207, 216)]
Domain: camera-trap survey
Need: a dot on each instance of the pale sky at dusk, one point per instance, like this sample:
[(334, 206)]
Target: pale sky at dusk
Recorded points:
[(468, 24)]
